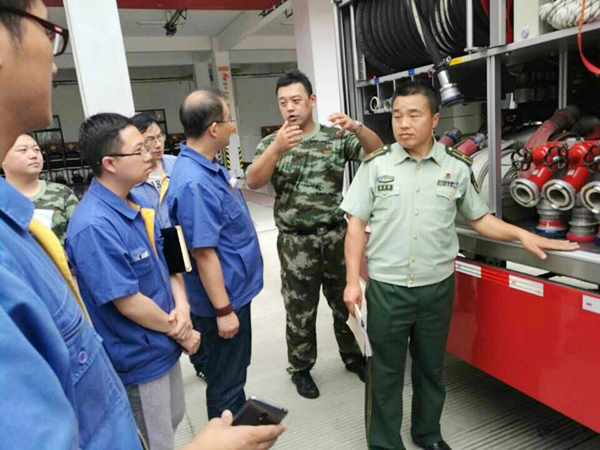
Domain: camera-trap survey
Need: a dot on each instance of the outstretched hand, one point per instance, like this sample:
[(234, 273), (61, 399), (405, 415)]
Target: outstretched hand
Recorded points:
[(537, 244), (344, 121)]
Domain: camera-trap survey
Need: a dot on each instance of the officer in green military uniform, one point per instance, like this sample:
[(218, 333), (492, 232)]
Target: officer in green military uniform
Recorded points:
[(410, 193), (305, 162)]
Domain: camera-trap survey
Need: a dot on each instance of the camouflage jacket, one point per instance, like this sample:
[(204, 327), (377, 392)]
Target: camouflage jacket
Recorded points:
[(308, 179), (54, 206)]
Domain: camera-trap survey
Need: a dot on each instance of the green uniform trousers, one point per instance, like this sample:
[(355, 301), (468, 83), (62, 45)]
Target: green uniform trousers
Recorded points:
[(307, 263), (401, 318)]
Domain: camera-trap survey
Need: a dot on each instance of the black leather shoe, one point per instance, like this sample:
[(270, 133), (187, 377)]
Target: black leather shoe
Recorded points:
[(305, 385), (360, 370), (439, 445)]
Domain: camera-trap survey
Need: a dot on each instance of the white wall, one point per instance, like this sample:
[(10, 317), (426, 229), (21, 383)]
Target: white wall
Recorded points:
[(66, 103), (164, 95), (255, 96), (257, 107)]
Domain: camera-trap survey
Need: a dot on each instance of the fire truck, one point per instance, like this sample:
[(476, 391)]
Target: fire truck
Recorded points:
[(521, 98)]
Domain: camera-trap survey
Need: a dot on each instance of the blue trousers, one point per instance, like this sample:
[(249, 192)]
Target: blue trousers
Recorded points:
[(199, 358), (227, 361)]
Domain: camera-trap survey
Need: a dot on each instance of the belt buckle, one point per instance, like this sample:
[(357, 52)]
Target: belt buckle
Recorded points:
[(321, 230)]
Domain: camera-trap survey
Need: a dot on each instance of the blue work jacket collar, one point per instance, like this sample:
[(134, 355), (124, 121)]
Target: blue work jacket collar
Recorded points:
[(167, 169), (197, 157), (112, 199), (17, 207)]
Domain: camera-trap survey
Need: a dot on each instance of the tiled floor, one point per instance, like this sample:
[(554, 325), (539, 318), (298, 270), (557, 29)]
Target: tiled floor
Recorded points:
[(480, 413)]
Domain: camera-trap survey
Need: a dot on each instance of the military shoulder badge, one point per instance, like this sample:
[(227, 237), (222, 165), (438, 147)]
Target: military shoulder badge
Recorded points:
[(382, 151), (474, 182), (458, 155)]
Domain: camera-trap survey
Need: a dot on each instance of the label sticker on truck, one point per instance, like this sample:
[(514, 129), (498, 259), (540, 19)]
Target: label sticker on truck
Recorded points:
[(468, 269), (525, 285), (591, 304)]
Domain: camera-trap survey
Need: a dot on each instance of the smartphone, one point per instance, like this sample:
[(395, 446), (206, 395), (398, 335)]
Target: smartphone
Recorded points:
[(259, 412)]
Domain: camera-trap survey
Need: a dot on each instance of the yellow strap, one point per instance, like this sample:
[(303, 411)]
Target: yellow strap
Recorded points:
[(163, 187), (51, 245), (148, 216)]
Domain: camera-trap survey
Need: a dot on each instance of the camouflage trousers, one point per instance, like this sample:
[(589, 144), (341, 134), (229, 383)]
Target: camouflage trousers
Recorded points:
[(307, 263)]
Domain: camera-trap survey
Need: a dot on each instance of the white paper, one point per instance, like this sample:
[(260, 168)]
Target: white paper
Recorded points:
[(358, 326), (44, 216)]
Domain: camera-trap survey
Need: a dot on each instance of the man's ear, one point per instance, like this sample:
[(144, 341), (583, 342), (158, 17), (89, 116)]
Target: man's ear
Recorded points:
[(108, 164), (436, 120), (212, 129)]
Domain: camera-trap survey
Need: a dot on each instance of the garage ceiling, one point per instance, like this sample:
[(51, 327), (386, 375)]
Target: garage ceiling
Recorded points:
[(150, 22), (235, 5)]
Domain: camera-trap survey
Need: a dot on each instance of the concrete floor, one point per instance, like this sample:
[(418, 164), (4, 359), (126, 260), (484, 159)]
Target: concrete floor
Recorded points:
[(480, 412)]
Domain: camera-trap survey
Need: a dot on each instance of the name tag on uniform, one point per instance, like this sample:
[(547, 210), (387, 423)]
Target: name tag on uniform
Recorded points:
[(142, 255), (385, 187), (447, 183), (385, 179), (233, 182)]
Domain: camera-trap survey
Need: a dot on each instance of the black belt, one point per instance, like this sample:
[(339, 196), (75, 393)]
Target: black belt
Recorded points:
[(318, 230)]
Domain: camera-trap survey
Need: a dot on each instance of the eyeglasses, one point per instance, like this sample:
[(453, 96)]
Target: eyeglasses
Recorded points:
[(58, 35), (151, 141), (225, 121), (143, 152)]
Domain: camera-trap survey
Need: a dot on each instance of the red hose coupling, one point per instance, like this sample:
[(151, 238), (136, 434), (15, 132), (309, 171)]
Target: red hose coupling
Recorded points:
[(562, 194), (472, 144), (526, 192), (578, 173)]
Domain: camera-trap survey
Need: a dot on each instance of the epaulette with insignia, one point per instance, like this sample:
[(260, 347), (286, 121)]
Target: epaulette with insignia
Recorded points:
[(382, 151), (458, 155)]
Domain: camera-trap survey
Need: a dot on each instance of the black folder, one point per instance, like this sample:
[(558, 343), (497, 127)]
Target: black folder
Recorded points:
[(175, 250)]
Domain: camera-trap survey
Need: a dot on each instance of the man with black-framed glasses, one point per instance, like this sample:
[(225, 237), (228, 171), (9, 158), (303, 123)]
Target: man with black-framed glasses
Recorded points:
[(58, 35), (152, 191), (141, 311), (59, 389)]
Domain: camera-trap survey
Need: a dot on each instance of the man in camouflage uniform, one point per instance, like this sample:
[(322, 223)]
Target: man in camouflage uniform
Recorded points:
[(54, 203), (305, 162)]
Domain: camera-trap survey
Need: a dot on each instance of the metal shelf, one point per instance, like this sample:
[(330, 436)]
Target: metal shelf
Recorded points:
[(528, 49), (581, 264)]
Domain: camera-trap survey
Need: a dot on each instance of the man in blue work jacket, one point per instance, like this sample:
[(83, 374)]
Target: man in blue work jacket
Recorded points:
[(228, 271), (153, 189), (59, 389), (153, 192), (140, 311)]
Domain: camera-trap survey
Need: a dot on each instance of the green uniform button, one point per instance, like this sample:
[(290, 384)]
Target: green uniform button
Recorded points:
[(418, 190), (417, 213), (415, 237), (418, 167)]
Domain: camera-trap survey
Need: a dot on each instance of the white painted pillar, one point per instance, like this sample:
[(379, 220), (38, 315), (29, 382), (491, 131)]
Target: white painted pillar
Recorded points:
[(316, 50), (224, 80), (202, 75), (222, 70), (99, 56)]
